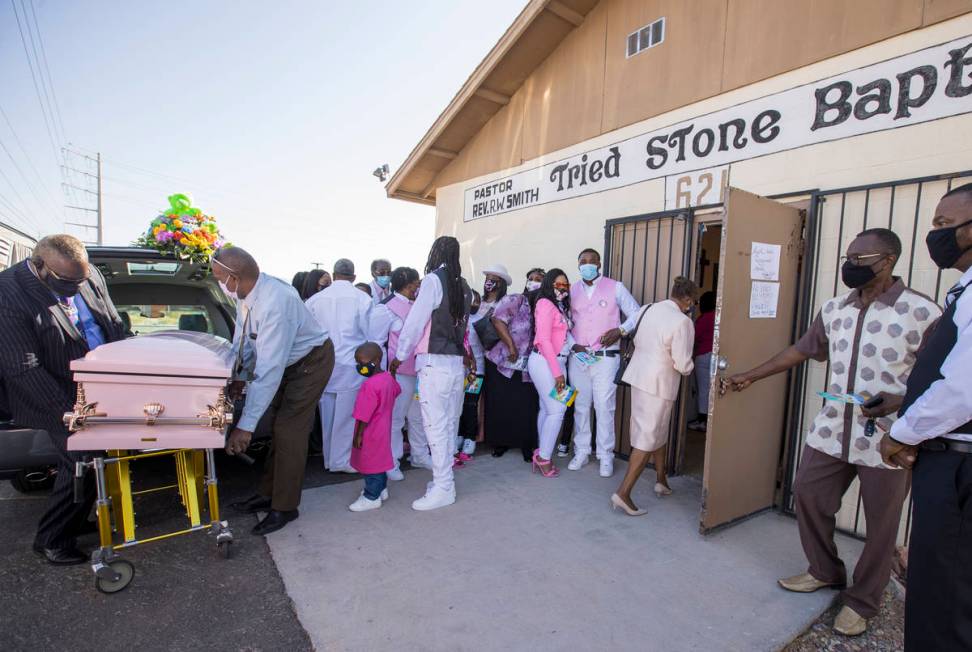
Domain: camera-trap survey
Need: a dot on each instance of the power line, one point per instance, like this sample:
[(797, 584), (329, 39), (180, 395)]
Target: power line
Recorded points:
[(23, 150), (47, 69), (30, 186), (40, 73), (33, 77)]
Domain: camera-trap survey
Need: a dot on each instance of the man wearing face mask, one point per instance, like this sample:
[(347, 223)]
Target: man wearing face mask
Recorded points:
[(285, 360), (934, 434), (380, 284), (597, 303), (870, 336), (54, 308)]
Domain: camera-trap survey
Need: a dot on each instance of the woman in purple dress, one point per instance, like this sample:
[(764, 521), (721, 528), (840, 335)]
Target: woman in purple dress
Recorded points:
[(511, 403)]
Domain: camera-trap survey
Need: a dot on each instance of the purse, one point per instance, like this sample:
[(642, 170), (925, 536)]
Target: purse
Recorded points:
[(486, 331), (627, 350)]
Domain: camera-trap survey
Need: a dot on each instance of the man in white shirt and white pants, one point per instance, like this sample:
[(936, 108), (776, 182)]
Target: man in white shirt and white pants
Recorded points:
[(596, 304), (934, 436), (435, 328), (344, 312)]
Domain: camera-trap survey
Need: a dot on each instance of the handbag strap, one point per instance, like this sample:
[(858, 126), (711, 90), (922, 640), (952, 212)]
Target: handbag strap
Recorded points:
[(638, 323)]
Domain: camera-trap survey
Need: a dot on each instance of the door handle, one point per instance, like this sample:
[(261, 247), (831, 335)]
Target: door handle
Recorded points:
[(722, 363)]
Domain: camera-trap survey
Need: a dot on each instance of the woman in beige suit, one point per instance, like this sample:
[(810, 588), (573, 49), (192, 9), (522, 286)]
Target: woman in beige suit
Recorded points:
[(663, 353)]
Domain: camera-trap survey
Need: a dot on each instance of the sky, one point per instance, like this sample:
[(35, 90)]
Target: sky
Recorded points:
[(272, 116)]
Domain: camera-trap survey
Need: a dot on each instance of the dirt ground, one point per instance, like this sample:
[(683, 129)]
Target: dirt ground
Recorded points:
[(885, 633)]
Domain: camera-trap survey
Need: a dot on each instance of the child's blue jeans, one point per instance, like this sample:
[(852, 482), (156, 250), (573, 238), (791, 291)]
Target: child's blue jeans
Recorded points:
[(375, 483)]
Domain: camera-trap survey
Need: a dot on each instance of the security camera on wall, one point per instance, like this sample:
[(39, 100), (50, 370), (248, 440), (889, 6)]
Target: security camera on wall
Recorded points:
[(381, 172)]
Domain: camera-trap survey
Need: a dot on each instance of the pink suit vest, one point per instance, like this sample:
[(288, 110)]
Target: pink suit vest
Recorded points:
[(597, 315), (400, 308)]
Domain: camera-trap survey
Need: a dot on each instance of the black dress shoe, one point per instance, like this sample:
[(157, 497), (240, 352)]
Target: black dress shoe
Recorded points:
[(499, 451), (274, 521), (252, 505), (527, 454), (61, 556)]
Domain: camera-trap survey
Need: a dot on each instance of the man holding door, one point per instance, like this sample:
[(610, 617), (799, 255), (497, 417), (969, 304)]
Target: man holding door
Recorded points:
[(871, 337)]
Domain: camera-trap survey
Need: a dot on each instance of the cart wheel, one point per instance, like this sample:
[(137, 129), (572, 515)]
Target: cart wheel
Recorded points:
[(224, 549), (125, 571)]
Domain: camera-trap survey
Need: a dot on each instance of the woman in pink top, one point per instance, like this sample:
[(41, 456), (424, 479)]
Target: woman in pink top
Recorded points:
[(548, 362)]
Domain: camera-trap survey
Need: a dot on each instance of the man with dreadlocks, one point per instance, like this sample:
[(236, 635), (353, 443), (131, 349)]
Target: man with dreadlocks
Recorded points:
[(434, 329)]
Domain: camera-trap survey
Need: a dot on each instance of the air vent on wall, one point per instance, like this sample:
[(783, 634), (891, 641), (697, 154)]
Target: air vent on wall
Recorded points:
[(647, 37)]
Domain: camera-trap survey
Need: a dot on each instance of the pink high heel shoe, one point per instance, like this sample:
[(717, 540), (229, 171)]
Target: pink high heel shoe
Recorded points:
[(463, 457), (551, 472)]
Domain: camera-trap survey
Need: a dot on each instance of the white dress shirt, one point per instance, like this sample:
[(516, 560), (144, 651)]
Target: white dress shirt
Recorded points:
[(383, 323), (378, 293), (947, 403), (428, 299), (626, 302), (276, 331), (344, 312)]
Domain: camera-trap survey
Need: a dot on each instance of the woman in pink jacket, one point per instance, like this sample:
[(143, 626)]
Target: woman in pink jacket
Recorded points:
[(548, 363)]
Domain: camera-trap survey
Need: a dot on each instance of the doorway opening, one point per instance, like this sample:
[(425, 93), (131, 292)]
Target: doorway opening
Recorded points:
[(692, 428)]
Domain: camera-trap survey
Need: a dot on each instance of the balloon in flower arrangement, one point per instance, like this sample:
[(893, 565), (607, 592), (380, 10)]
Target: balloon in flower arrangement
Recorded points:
[(183, 231)]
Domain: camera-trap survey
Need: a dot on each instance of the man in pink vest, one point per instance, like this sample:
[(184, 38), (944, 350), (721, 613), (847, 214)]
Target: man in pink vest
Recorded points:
[(597, 303)]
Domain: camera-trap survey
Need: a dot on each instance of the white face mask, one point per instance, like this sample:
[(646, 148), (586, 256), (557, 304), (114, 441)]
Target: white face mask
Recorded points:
[(232, 295), (532, 285)]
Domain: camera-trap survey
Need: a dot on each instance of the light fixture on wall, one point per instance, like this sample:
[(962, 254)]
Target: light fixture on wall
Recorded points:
[(381, 172)]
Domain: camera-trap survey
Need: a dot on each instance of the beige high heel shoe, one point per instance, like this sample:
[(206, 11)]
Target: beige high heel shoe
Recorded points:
[(617, 503), (662, 490)]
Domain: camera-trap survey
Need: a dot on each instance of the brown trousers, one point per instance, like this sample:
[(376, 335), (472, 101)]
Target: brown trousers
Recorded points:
[(294, 407), (820, 484)]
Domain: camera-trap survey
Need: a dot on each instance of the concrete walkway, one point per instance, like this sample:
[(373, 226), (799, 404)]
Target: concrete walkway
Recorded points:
[(522, 562)]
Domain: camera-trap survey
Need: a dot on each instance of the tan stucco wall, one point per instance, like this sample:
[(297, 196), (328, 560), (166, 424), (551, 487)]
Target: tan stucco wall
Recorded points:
[(552, 234)]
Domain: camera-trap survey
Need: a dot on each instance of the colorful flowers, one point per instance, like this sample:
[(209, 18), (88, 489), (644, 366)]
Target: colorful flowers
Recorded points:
[(183, 231)]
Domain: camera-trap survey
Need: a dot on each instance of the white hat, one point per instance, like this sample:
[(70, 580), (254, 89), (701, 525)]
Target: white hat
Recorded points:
[(499, 270)]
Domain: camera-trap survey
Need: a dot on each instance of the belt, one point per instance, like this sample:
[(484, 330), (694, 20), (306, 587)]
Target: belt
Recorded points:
[(538, 352), (941, 444), (609, 354)]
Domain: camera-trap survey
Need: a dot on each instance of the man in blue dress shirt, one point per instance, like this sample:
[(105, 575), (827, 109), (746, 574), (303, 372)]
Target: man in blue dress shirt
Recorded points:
[(285, 361)]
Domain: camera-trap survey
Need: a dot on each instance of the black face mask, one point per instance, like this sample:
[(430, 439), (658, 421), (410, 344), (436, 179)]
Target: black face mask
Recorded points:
[(943, 245), (61, 287), (369, 369), (854, 276)]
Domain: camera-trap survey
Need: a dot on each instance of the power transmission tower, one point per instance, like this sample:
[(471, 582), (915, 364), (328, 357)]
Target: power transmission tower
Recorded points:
[(317, 265), (71, 189)]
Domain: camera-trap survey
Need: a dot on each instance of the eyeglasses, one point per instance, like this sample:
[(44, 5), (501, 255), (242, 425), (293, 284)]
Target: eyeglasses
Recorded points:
[(64, 279), (862, 259), (561, 286)]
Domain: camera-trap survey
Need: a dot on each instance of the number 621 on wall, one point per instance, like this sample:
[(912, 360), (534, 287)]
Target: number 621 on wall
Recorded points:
[(697, 188)]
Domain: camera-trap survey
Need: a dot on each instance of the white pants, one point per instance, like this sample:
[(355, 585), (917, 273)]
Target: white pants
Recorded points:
[(551, 415), (337, 427), (440, 395), (702, 363), (595, 386), (407, 409)]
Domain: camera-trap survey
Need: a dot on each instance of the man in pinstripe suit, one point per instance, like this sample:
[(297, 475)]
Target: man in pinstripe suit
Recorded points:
[(54, 308)]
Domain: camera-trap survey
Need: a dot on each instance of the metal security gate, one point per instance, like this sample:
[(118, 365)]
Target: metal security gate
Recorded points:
[(646, 252), (836, 217)]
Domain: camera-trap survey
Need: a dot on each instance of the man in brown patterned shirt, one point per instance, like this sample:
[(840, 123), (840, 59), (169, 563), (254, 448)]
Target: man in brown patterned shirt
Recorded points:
[(870, 336)]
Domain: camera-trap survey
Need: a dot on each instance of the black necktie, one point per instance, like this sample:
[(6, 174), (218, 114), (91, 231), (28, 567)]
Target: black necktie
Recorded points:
[(954, 294)]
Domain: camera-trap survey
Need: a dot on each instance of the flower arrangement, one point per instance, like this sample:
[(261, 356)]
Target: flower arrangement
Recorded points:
[(183, 231)]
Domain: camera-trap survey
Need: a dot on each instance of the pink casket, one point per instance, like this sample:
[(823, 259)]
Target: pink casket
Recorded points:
[(164, 390)]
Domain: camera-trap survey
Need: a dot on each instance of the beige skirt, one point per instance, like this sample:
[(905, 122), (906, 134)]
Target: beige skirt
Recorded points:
[(650, 419)]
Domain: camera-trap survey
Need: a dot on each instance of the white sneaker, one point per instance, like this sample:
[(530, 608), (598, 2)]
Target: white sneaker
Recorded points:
[(562, 450), (362, 504), (434, 499), (580, 459), (383, 496), (469, 447), (343, 469), (396, 475), (607, 468)]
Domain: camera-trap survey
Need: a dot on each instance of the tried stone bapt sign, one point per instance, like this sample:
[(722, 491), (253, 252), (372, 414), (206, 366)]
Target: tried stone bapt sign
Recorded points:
[(926, 85)]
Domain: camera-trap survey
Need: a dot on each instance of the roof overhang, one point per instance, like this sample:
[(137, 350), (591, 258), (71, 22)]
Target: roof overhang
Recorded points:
[(535, 33)]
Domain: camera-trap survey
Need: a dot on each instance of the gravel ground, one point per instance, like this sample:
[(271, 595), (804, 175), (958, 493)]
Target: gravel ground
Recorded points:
[(885, 633)]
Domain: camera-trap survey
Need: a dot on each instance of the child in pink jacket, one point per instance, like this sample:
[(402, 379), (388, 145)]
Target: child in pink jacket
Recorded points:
[(548, 363)]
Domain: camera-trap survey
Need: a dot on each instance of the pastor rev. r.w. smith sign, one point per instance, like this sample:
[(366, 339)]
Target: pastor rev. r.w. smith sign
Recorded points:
[(926, 85)]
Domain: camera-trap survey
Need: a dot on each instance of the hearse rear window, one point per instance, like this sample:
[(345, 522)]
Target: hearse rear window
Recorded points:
[(151, 318)]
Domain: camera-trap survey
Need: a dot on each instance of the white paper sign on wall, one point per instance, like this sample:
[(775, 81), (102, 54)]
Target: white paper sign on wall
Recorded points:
[(763, 300), (764, 262)]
